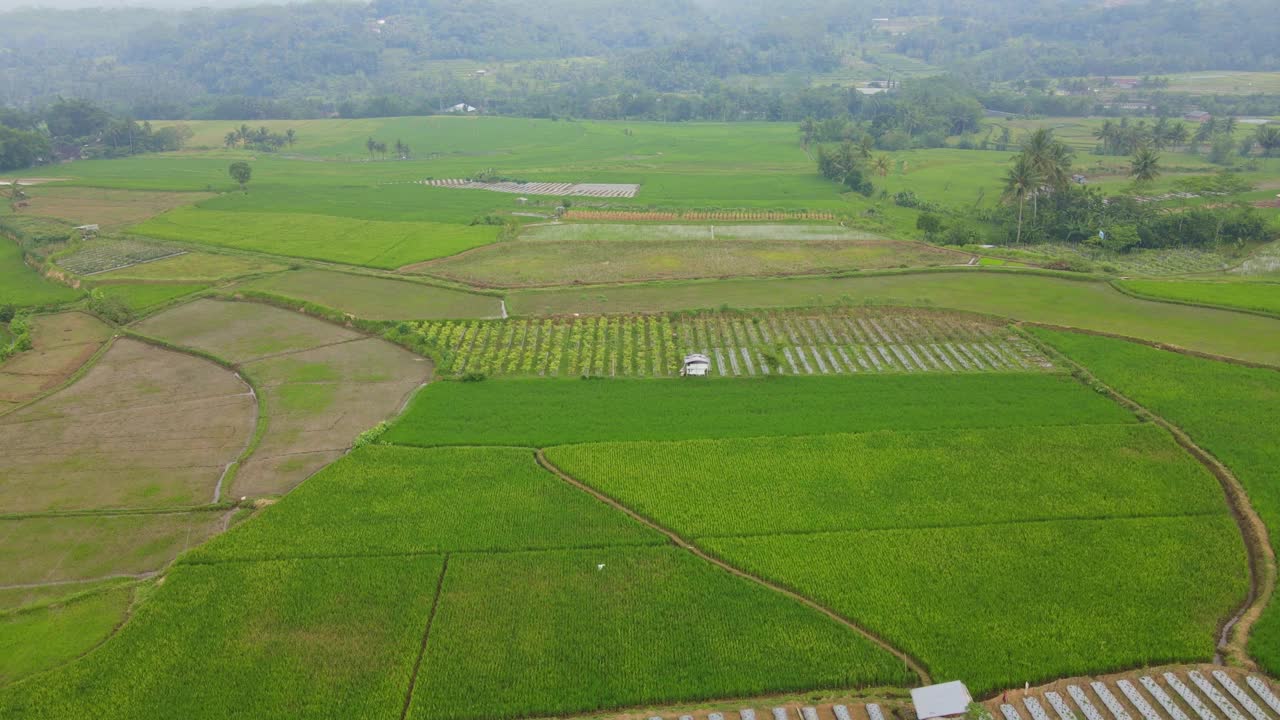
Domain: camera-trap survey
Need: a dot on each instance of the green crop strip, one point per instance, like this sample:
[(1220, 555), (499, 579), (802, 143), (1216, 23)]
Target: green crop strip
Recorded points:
[(1229, 410)]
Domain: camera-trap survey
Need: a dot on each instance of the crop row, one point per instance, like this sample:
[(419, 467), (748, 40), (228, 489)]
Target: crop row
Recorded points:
[(823, 342), (722, 215), (99, 256), (1163, 697)]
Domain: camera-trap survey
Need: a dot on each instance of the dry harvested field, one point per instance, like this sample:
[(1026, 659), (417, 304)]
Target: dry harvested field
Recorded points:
[(61, 343), (719, 215), (619, 232), (109, 208), (377, 298), (145, 427), (322, 384), (594, 190), (549, 263), (44, 550), (241, 331), (831, 341)]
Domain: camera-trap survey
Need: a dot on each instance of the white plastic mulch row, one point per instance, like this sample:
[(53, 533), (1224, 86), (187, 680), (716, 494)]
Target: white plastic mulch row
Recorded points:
[(1189, 697), (842, 712), (809, 713), (873, 712), (1163, 698), (1240, 695), (1010, 712), (1082, 702), (1060, 706), (747, 714), (601, 190), (1218, 698), (1264, 692), (779, 713), (1135, 697), (1035, 708), (1110, 701)]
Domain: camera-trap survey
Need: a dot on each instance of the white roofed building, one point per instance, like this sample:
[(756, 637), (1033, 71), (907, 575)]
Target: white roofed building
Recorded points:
[(941, 701)]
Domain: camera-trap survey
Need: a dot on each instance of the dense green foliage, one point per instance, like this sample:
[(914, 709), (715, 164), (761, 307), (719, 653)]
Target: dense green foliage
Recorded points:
[(894, 479), (552, 633), (300, 638), (673, 60), (552, 412), (1231, 411), (23, 287), (1263, 297), (389, 500), (997, 605)]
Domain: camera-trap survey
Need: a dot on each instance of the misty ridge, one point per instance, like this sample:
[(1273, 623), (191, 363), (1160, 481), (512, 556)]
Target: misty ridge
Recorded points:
[(667, 60)]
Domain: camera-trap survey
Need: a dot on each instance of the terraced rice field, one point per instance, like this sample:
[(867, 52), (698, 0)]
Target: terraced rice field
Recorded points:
[(321, 384), (107, 254), (145, 427), (835, 341)]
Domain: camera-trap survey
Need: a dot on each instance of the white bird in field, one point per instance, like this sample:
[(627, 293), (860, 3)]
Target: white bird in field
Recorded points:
[(600, 566)]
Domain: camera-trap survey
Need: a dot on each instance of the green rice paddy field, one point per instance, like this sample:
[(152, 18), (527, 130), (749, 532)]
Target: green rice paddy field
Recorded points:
[(530, 544), (1229, 410)]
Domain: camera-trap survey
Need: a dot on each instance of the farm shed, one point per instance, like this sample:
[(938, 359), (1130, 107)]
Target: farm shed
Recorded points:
[(695, 365), (941, 701)]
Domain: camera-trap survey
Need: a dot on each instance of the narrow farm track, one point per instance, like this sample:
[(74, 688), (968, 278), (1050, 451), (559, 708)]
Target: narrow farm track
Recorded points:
[(1234, 637), (59, 583), (915, 666)]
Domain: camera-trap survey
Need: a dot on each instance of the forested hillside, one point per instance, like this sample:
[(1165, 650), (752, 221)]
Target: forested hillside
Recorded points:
[(716, 59)]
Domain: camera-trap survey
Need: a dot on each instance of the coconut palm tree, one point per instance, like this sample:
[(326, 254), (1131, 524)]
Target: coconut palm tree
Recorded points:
[(1145, 165), (1020, 182), (290, 136), (231, 139), (881, 165)]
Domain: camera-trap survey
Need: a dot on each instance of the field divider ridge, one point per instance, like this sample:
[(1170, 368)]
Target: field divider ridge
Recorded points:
[(426, 635), (914, 665), (1234, 636), (964, 525)]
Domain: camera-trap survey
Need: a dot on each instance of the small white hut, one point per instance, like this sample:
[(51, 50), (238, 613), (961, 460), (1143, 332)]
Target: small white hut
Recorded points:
[(695, 365), (947, 700)]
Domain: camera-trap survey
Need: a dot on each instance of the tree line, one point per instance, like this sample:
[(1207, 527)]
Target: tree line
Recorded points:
[(78, 129)]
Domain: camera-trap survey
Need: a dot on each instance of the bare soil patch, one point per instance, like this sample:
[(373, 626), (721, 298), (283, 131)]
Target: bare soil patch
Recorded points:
[(56, 549), (145, 427), (61, 343), (241, 331), (108, 208), (318, 401)]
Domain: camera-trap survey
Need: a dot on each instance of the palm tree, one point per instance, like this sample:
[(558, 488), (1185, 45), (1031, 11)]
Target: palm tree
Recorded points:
[(1229, 126), (371, 145), (231, 139), (1145, 165), (1268, 138), (290, 136), (881, 165), (865, 146), (1021, 181), (1107, 134)]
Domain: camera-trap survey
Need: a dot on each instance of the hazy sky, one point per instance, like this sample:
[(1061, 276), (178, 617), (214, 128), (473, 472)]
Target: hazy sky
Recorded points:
[(171, 4)]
